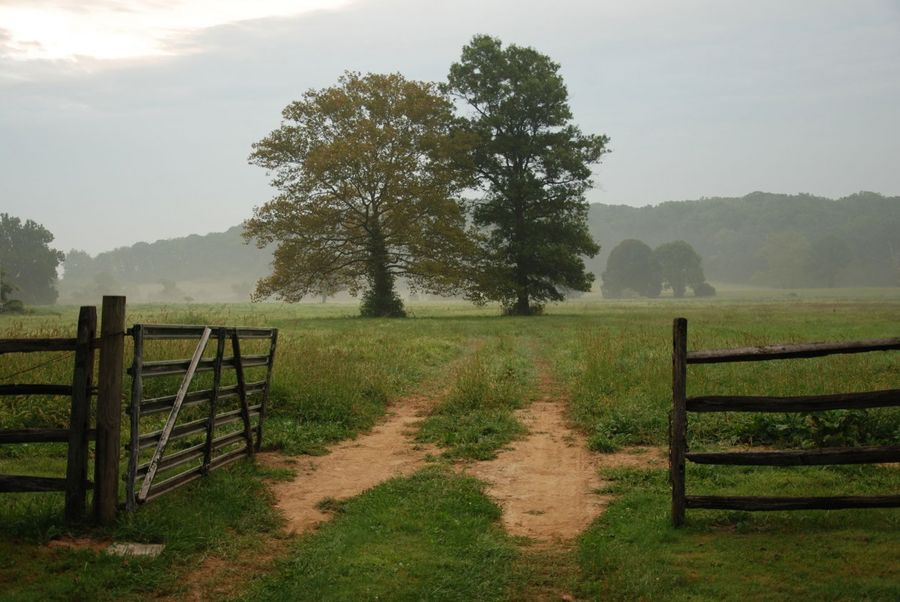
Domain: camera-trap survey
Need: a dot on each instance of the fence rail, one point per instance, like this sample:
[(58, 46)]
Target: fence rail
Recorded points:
[(682, 404), (77, 435), (218, 447)]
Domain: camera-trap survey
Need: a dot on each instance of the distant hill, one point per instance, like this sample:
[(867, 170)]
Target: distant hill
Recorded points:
[(211, 267), (767, 239), (760, 238)]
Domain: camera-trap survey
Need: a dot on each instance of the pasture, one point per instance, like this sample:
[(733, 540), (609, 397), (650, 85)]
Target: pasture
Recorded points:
[(436, 531)]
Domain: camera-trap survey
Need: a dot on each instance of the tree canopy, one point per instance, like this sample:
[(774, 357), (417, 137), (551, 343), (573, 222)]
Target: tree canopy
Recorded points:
[(28, 263), (632, 266), (533, 166), (368, 173), (679, 266)]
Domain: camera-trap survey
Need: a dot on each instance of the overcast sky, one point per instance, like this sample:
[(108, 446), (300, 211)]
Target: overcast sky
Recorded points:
[(132, 120)]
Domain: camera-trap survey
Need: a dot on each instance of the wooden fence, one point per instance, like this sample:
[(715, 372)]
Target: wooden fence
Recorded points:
[(682, 405), (79, 433), (217, 449), (205, 443)]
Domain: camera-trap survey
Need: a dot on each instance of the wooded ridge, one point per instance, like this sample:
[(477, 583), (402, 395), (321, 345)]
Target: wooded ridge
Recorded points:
[(762, 238)]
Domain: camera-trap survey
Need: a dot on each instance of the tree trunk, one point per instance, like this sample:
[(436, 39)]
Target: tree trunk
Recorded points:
[(380, 300), (522, 306)]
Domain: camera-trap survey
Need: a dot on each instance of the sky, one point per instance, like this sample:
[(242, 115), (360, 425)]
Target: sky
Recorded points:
[(132, 120)]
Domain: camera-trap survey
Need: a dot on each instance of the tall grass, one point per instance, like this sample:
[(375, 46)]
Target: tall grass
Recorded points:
[(476, 419), (620, 374)]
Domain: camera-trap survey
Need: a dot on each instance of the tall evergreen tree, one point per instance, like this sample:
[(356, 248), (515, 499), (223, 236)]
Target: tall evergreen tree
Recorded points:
[(534, 167)]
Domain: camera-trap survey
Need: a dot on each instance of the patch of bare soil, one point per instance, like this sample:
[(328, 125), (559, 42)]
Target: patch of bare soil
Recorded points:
[(217, 578), (351, 467), (547, 483)]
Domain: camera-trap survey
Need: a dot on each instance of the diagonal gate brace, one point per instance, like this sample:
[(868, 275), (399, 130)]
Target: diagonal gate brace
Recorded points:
[(173, 416)]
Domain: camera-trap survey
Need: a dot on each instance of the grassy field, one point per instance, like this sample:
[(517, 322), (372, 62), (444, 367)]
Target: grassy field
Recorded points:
[(435, 535)]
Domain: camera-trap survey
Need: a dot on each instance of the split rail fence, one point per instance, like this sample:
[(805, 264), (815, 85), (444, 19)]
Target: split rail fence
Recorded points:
[(678, 448), (79, 433)]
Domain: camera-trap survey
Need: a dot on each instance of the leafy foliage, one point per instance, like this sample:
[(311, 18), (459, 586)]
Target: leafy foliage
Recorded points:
[(368, 173), (679, 266), (633, 266), (729, 233), (827, 256), (28, 263), (534, 167)]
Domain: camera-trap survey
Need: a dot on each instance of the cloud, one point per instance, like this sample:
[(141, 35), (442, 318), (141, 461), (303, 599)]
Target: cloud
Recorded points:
[(700, 97), (103, 29)]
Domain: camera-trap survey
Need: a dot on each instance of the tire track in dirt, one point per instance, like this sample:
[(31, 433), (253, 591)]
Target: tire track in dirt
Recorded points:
[(350, 467), (547, 483), (353, 466)]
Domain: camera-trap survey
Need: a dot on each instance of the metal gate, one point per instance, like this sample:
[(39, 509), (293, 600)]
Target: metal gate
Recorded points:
[(191, 416)]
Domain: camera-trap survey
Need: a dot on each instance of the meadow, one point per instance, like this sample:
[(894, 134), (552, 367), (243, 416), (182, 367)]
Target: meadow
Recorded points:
[(435, 535)]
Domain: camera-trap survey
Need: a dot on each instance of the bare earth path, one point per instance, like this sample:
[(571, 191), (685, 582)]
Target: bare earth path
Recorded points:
[(547, 482), (351, 467)]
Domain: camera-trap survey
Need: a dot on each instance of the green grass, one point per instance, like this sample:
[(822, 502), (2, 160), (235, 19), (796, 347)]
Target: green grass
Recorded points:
[(221, 515), (476, 419), (335, 374), (618, 365), (633, 553), (432, 536)]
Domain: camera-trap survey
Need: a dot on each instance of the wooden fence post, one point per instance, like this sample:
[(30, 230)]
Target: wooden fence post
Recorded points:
[(137, 395), (265, 400), (79, 421), (109, 409), (214, 399), (678, 420), (242, 390)]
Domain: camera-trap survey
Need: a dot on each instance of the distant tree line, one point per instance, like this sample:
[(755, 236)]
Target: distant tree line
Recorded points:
[(847, 257), (633, 268), (157, 271), (770, 239)]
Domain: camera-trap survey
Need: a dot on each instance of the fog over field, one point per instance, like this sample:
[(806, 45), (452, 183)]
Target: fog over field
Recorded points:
[(489, 300), (133, 122)]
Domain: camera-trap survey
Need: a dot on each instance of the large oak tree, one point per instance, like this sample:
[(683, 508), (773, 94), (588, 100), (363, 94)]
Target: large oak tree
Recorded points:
[(368, 173), (534, 167)]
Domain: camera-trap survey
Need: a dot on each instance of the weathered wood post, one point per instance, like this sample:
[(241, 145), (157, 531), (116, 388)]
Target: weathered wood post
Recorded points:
[(214, 400), (678, 420), (137, 394), (265, 400), (109, 409), (79, 421), (242, 390)]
